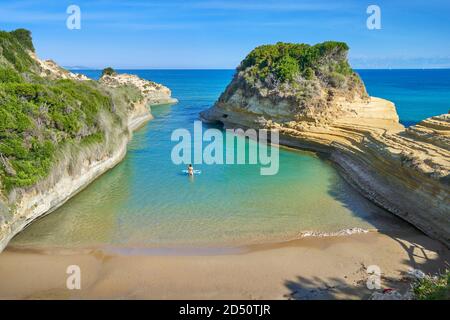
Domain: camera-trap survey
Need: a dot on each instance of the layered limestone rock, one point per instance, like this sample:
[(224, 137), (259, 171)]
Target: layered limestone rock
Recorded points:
[(406, 171), (153, 92), (49, 68)]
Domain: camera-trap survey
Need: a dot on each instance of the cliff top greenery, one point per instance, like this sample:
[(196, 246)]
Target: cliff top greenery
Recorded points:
[(310, 79), (309, 76), (14, 47), (108, 71), (290, 62), (38, 115)]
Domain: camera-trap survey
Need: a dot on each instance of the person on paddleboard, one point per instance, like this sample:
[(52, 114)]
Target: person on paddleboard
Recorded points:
[(190, 170)]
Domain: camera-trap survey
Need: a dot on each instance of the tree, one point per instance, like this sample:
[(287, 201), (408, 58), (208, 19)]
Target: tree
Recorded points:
[(108, 71), (286, 68), (24, 38)]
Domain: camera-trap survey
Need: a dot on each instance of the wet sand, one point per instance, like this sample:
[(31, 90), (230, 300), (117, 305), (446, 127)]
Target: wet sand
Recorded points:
[(310, 268)]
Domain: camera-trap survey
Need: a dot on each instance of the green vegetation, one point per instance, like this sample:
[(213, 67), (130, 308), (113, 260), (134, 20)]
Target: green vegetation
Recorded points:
[(125, 96), (108, 71), (288, 62), (286, 68), (13, 50), (9, 75), (39, 116), (36, 119), (309, 77), (433, 288), (24, 38)]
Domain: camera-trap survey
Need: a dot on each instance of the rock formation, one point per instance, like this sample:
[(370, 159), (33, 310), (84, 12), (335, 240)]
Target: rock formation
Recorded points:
[(406, 171), (58, 130), (152, 92)]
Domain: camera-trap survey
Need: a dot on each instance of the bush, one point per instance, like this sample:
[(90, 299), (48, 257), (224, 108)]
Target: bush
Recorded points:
[(108, 71), (287, 68), (37, 119), (13, 47), (24, 38), (40, 117), (336, 80), (433, 288), (308, 74), (9, 75), (285, 60)]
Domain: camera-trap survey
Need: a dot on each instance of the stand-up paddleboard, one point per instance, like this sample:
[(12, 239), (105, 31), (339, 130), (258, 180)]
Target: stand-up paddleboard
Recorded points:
[(196, 172)]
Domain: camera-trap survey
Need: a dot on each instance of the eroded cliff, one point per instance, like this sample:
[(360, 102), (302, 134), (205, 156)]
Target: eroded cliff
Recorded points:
[(403, 170), (59, 130)]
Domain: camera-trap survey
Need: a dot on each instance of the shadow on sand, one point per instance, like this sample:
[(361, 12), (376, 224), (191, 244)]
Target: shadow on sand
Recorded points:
[(412, 241)]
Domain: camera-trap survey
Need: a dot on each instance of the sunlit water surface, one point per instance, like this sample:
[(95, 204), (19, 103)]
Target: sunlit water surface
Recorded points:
[(145, 201)]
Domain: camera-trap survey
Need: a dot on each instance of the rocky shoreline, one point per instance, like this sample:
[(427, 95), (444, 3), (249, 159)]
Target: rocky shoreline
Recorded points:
[(404, 170), (378, 157), (24, 205)]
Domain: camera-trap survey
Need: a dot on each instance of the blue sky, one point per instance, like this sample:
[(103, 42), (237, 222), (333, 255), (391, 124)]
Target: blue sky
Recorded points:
[(219, 33)]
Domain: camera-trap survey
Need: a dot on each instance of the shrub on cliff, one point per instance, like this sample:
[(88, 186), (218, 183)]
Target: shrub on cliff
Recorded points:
[(24, 38), (325, 61), (308, 73), (13, 50), (286, 68), (108, 71), (309, 79), (433, 288), (8, 75), (44, 121), (37, 119)]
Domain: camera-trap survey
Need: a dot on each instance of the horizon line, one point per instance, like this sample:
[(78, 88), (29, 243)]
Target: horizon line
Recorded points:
[(228, 69)]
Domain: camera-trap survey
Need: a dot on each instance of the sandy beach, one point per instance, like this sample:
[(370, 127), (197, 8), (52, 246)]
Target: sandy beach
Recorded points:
[(238, 150), (310, 268)]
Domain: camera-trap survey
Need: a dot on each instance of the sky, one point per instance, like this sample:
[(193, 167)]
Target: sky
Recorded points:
[(218, 34)]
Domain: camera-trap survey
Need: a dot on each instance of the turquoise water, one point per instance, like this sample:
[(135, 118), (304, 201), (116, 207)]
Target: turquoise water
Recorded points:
[(146, 202)]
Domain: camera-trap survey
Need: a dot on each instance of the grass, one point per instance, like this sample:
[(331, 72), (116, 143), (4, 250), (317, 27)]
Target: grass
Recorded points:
[(433, 288)]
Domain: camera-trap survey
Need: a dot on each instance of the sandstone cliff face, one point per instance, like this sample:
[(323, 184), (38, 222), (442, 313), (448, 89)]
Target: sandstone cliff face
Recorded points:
[(49, 68), (406, 171), (78, 165), (152, 92)]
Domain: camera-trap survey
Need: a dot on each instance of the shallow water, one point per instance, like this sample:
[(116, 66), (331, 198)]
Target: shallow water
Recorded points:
[(146, 202)]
